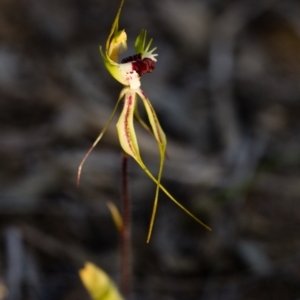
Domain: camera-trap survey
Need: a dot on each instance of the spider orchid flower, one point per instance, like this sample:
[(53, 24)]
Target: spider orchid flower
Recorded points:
[(128, 72)]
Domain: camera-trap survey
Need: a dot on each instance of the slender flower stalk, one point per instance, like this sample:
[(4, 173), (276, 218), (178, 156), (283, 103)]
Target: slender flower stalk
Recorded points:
[(128, 72), (125, 233)]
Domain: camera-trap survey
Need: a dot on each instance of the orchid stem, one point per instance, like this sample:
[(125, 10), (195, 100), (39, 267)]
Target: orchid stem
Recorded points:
[(125, 235)]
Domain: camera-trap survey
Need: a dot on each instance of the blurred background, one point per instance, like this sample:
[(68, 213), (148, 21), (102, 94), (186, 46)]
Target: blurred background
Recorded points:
[(226, 90)]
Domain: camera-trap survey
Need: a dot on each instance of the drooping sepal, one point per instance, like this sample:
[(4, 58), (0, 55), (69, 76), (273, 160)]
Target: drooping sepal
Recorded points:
[(129, 144), (162, 144), (99, 136)]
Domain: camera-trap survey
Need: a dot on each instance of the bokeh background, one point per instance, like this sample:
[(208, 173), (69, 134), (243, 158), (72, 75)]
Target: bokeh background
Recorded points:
[(226, 89)]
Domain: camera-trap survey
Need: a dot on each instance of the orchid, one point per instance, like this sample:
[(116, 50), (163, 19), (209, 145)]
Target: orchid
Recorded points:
[(128, 72)]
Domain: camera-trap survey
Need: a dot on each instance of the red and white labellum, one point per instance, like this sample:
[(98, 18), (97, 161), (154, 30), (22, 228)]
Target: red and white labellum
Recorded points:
[(143, 66), (131, 77), (133, 67)]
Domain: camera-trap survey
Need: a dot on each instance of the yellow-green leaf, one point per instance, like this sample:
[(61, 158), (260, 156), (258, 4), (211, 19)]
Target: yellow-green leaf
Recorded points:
[(115, 215), (98, 284)]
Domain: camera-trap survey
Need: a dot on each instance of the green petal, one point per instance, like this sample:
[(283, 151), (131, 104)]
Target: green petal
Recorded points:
[(125, 128), (117, 46), (113, 68), (99, 137)]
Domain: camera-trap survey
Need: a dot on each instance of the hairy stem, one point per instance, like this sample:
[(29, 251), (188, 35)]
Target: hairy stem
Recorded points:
[(126, 232)]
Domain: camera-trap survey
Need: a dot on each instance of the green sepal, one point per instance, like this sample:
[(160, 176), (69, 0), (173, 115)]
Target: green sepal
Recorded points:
[(115, 27)]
